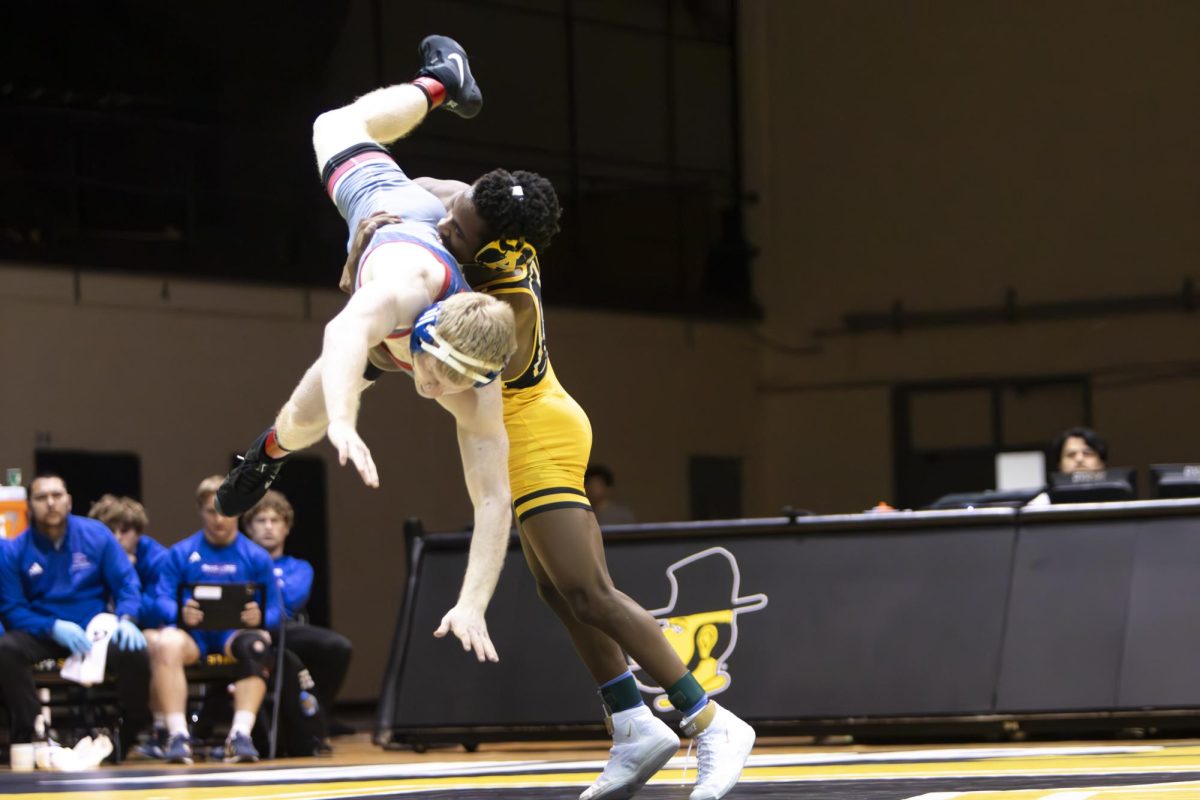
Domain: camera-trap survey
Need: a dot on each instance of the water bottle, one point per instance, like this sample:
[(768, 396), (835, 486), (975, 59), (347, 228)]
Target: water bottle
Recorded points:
[(13, 518), (308, 703)]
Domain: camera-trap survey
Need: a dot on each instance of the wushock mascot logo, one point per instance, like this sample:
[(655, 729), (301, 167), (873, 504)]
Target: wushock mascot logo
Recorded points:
[(700, 620)]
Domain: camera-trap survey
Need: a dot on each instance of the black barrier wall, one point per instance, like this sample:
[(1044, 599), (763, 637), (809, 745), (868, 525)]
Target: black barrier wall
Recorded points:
[(874, 616)]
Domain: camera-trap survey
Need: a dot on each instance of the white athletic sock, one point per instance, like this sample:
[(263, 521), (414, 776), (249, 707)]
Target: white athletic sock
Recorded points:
[(176, 723), (160, 720), (243, 722)]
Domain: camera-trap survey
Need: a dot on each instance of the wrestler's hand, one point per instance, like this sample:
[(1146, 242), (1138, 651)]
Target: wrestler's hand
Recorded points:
[(349, 445), (471, 629), (362, 236)]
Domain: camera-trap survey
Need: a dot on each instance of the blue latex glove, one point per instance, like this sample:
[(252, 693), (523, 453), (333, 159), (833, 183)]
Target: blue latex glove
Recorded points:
[(128, 637), (71, 636)]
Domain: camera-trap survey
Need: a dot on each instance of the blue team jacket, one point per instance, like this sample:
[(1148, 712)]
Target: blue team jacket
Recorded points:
[(41, 583), (196, 560), (295, 581), (149, 563)]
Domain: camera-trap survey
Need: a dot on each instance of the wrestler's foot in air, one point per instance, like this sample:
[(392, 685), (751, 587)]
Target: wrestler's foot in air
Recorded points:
[(446, 62), (246, 483), (642, 744)]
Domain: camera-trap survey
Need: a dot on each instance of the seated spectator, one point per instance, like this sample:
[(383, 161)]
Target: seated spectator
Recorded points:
[(1076, 449), (598, 481), (325, 653), (55, 577), (217, 553), (128, 521), (1079, 450)]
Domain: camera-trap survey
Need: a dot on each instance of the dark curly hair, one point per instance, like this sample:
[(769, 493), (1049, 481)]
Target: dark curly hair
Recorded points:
[(532, 216)]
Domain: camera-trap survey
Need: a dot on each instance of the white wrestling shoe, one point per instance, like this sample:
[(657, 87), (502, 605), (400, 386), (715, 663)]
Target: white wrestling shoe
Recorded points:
[(721, 751), (642, 744)]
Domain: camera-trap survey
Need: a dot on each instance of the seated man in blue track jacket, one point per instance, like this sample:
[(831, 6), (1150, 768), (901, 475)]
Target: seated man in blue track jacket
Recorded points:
[(54, 578), (324, 652), (217, 553), (127, 519)]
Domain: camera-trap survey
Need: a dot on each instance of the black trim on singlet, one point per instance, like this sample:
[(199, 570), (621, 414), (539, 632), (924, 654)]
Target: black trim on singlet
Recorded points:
[(543, 492), (525, 280), (552, 507), (350, 152)]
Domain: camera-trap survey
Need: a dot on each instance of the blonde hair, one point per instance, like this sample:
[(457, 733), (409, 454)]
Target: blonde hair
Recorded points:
[(478, 326), (118, 512), (208, 487), (272, 501)]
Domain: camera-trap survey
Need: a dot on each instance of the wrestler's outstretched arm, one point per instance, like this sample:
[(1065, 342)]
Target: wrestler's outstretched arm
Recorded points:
[(391, 301), (483, 443)]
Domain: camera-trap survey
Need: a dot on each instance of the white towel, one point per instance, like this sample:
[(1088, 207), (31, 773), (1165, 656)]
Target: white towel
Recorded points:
[(89, 669)]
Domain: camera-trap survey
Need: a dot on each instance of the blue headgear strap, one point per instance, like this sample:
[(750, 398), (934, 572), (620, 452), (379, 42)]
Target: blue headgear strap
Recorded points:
[(426, 339)]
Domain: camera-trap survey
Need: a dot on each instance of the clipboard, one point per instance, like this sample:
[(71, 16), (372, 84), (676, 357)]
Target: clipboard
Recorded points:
[(222, 603)]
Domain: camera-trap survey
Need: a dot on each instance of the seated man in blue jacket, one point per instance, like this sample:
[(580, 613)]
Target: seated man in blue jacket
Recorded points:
[(217, 553), (54, 578), (127, 519), (325, 653)]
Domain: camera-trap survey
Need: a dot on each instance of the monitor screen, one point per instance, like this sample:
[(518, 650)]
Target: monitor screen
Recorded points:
[(991, 498), (1095, 486), (1175, 480)]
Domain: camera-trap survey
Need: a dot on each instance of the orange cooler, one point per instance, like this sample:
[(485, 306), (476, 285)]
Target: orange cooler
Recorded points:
[(13, 511)]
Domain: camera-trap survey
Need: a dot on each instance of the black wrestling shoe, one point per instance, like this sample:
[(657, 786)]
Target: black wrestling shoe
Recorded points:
[(246, 483), (446, 62)]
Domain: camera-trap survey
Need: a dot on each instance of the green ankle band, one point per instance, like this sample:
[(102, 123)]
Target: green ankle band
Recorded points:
[(621, 694), (686, 693)]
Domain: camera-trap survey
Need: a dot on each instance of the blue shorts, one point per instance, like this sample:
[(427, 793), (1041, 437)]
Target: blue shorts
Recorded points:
[(211, 642)]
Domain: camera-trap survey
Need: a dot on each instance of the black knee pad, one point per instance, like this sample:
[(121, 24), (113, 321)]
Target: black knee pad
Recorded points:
[(252, 650)]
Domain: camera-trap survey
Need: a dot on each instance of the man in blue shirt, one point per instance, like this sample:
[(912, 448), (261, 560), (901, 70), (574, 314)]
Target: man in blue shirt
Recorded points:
[(217, 553), (54, 578), (325, 653), (128, 521)]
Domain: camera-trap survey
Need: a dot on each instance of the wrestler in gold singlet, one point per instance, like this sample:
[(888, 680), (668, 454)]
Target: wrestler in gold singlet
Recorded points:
[(550, 440), (549, 436)]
